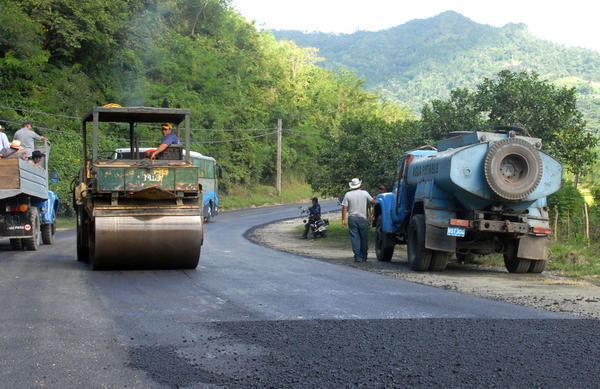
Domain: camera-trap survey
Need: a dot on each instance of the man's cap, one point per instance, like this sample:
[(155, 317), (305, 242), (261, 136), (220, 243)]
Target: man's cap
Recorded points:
[(37, 154), (355, 183), (167, 126), (16, 144)]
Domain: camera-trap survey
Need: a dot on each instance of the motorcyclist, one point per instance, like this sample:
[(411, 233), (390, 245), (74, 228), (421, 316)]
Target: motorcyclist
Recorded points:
[(314, 214)]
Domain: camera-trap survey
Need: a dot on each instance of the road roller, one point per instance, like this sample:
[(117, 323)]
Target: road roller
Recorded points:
[(140, 212)]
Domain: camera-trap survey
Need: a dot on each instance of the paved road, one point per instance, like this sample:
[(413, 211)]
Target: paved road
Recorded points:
[(253, 317)]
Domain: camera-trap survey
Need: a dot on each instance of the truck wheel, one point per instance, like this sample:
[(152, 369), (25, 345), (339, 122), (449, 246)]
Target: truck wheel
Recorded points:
[(537, 266), (439, 260), (33, 243), (48, 230), (16, 244), (419, 257), (82, 233), (512, 168), (512, 262), (384, 244)]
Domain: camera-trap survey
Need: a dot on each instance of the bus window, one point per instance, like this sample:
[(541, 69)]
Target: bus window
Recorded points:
[(200, 164), (210, 169)]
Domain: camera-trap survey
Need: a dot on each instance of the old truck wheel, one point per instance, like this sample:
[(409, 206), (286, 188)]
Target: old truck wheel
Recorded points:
[(48, 231), (82, 235), (384, 244), (512, 262), (439, 260), (33, 243), (537, 266), (512, 168), (16, 244), (419, 257)]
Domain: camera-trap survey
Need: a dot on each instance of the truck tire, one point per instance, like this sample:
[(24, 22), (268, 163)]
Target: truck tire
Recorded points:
[(49, 230), (82, 233), (419, 257), (384, 244), (512, 168), (513, 263), (33, 243), (537, 266), (439, 260)]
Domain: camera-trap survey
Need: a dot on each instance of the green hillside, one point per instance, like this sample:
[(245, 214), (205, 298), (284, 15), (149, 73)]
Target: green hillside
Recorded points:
[(421, 60)]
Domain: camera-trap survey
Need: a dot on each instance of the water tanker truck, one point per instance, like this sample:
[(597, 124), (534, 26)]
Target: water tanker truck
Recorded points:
[(477, 193), (134, 212)]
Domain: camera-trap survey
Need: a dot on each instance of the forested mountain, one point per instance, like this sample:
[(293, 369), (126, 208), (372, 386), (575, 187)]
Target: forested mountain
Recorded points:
[(421, 60)]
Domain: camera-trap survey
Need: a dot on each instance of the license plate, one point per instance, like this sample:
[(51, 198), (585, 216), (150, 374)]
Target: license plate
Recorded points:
[(456, 231)]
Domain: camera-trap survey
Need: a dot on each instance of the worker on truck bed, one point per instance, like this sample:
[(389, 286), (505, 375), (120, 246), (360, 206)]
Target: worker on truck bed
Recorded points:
[(14, 151), (169, 138), (26, 136)]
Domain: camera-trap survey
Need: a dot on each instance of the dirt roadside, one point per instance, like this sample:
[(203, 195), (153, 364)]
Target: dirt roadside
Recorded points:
[(546, 291)]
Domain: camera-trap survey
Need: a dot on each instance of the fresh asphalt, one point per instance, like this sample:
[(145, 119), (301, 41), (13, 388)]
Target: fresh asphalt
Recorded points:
[(250, 316)]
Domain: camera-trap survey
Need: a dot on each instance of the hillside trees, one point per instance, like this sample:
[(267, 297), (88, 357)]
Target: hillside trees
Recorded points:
[(545, 111)]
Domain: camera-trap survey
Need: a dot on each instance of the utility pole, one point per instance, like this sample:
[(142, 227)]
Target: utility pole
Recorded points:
[(279, 127)]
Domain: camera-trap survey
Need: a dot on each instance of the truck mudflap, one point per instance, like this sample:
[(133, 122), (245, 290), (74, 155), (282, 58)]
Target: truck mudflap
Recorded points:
[(533, 247), (437, 238)]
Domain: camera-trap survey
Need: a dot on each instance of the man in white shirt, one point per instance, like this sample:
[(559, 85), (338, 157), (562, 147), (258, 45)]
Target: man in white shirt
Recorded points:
[(355, 205), (4, 143)]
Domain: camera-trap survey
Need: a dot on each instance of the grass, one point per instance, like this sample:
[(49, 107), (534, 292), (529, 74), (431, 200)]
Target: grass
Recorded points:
[(293, 190), (64, 222)]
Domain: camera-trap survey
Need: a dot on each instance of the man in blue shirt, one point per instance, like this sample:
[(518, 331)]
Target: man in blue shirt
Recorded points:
[(169, 138)]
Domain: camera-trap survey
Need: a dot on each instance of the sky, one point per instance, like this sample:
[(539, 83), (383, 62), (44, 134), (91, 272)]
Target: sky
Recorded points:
[(570, 23)]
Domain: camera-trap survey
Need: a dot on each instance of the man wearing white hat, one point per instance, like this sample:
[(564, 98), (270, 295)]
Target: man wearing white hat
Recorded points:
[(355, 206)]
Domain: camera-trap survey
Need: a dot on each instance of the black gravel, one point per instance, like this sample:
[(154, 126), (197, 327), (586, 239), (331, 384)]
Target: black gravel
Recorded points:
[(458, 353)]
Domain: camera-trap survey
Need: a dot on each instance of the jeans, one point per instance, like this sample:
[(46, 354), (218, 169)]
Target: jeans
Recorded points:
[(357, 227)]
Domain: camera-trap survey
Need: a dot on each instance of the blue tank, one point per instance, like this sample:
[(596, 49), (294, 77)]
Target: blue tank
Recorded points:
[(476, 193)]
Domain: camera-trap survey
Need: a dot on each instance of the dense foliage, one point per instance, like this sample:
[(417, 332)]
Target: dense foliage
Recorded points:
[(425, 59), (59, 58)]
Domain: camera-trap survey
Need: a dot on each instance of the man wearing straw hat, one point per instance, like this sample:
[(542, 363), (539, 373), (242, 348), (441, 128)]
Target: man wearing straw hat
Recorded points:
[(355, 206), (13, 151)]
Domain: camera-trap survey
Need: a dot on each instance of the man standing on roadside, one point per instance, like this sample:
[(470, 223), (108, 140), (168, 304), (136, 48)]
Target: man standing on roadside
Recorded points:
[(355, 206), (26, 136)]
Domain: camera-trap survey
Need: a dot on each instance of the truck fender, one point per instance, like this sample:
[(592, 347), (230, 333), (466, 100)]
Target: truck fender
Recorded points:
[(384, 206)]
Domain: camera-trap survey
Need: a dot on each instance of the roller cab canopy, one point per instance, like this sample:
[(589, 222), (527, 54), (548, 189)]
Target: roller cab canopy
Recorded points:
[(133, 115)]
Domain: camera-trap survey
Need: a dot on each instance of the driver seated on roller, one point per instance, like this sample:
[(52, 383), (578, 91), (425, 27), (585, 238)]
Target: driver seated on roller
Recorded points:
[(169, 138)]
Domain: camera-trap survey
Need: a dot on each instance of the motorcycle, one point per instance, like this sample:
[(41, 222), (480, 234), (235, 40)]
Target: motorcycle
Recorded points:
[(318, 226)]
